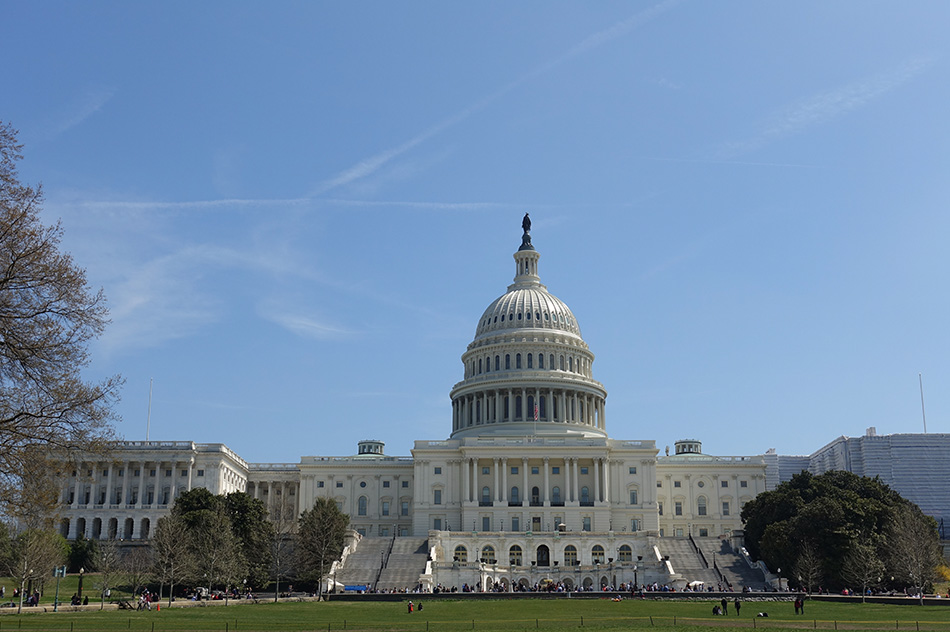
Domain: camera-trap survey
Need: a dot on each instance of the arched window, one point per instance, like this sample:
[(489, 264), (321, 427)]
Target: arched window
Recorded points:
[(633, 497), (562, 362), (361, 509), (486, 495), (701, 505), (555, 494), (535, 496), (479, 365), (540, 360), (514, 495), (488, 554), (597, 554), (497, 363), (570, 555), (461, 554), (530, 361), (518, 361), (570, 364), (518, 407), (551, 363), (585, 495), (507, 361), (626, 553), (515, 556)]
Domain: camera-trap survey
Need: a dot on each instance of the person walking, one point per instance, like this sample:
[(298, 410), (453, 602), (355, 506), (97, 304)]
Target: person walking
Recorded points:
[(737, 604)]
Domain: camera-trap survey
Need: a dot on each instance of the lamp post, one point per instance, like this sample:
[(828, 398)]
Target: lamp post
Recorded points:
[(81, 573), (636, 583), (59, 571), (779, 571)]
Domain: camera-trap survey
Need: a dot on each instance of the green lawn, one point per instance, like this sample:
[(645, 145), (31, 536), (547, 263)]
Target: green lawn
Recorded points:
[(489, 616)]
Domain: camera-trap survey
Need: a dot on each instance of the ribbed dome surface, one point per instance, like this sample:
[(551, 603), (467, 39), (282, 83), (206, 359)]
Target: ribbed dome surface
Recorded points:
[(527, 308)]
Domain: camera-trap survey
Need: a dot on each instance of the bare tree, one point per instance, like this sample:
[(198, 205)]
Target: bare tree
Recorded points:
[(35, 553), (284, 519), (172, 552), (108, 566), (216, 550), (48, 315), (808, 568), (137, 564), (862, 567), (914, 548)]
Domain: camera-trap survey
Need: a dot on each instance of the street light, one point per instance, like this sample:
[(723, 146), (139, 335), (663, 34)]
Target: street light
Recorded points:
[(779, 572), (81, 572)]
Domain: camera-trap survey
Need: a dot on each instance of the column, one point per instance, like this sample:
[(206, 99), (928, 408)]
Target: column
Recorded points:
[(546, 493), (141, 499), (576, 483), (126, 476), (567, 481), (596, 465), (525, 492), (109, 490), (191, 469), (504, 480), (497, 495), (158, 484), (607, 480), (173, 484), (76, 488), (466, 480)]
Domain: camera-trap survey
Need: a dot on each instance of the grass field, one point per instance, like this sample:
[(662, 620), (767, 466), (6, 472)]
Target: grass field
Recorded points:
[(596, 615)]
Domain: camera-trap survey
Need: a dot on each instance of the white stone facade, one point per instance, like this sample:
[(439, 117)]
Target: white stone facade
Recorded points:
[(528, 469)]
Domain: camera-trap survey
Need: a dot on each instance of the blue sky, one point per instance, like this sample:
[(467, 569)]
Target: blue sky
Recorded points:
[(299, 210)]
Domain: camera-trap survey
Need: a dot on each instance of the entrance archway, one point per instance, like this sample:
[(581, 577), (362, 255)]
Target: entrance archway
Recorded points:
[(544, 555)]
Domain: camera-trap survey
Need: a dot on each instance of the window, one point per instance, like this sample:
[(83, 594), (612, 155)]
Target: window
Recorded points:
[(438, 470), (597, 554), (515, 523), (486, 471), (461, 554), (488, 554), (486, 495), (167, 473), (319, 483), (361, 506), (437, 524), (743, 483), (515, 556), (703, 532), (556, 494), (507, 362), (701, 484), (540, 360), (405, 484), (635, 524), (678, 508), (570, 555), (701, 506), (633, 497), (404, 508), (486, 523), (659, 483), (583, 470), (677, 484), (625, 553), (385, 483), (150, 473), (632, 470), (437, 497), (514, 470), (362, 484), (535, 470), (385, 510), (724, 483), (725, 507), (339, 484), (586, 524), (514, 495), (530, 361), (585, 495), (200, 472), (660, 508), (383, 531), (183, 473), (518, 358), (535, 496), (555, 470)]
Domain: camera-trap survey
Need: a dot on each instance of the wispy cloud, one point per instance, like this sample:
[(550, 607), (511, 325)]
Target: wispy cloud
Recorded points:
[(78, 110), (824, 107), (368, 166), (303, 325)]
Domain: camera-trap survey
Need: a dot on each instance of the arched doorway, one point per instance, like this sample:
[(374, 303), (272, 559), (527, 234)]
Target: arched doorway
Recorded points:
[(544, 556)]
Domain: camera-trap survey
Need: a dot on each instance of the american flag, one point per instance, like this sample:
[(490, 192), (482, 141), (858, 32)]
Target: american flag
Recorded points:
[(535, 412)]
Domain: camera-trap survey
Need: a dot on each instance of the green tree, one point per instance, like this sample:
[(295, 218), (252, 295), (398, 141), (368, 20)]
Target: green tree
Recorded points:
[(48, 315), (82, 552), (319, 539), (250, 524), (831, 512)]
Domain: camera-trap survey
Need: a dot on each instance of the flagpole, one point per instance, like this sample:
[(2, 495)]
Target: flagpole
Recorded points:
[(148, 419), (922, 411)]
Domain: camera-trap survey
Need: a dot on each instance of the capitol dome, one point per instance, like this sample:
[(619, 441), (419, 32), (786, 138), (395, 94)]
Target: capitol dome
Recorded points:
[(528, 370)]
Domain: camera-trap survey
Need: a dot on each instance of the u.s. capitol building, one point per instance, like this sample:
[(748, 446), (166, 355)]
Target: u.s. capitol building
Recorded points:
[(528, 477)]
